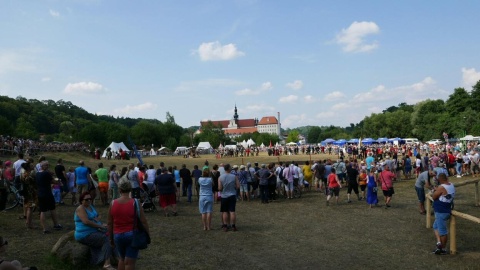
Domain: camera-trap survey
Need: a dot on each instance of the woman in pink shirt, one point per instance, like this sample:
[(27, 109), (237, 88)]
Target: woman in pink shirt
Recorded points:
[(386, 178)]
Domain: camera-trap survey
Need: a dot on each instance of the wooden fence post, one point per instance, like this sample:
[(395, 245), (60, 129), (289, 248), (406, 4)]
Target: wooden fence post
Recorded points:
[(453, 235), (428, 208)]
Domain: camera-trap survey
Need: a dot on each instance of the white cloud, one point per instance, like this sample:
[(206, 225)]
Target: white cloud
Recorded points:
[(247, 92), (340, 106), (253, 92), (46, 79), (334, 96), (211, 85), (16, 61), (54, 13), (353, 38), (288, 99), (470, 77), (309, 99), (260, 108), (147, 106), (215, 51), (325, 115), (296, 85), (295, 121), (82, 88), (266, 86)]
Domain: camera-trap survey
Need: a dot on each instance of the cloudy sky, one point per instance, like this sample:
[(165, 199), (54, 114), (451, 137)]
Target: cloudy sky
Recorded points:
[(315, 62)]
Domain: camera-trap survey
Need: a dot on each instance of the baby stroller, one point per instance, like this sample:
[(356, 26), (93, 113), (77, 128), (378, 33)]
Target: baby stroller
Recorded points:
[(147, 196)]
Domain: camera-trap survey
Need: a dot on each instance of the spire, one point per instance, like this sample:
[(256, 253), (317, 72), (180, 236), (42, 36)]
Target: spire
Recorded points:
[(235, 116)]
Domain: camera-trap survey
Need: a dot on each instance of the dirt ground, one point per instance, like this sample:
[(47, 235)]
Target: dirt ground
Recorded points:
[(286, 234)]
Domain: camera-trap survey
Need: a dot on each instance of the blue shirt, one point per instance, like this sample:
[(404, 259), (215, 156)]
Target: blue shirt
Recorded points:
[(228, 181), (205, 186), (82, 175), (82, 230)]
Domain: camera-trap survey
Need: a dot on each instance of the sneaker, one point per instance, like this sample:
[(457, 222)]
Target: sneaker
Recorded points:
[(440, 251), (439, 245), (58, 227), (459, 176)]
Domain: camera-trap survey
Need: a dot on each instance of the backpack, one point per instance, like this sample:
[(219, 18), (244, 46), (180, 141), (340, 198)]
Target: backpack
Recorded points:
[(280, 174)]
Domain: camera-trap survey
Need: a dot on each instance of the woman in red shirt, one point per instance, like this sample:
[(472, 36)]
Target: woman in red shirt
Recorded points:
[(334, 186), (121, 220)]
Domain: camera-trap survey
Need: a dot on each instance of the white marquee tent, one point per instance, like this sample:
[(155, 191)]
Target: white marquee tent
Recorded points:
[(115, 147), (204, 145)]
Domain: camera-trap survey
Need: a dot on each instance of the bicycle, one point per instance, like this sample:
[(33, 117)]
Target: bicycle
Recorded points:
[(13, 198)]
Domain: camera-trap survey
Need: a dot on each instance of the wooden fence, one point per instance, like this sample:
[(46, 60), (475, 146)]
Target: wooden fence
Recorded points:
[(455, 214)]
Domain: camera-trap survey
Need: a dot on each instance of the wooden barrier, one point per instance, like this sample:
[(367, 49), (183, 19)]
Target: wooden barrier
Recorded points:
[(453, 220)]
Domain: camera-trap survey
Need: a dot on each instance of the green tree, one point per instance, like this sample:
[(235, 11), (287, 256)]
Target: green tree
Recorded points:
[(313, 134), (458, 102), (292, 136)]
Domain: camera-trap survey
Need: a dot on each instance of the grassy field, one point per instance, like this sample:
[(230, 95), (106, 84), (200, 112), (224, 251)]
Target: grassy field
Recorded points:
[(287, 234)]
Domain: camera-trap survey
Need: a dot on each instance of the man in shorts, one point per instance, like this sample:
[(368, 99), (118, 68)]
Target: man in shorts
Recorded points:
[(82, 178), (423, 181), (102, 175), (442, 205), (228, 184)]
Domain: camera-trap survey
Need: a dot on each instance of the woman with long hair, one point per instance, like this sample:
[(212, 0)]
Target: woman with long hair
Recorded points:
[(372, 198)]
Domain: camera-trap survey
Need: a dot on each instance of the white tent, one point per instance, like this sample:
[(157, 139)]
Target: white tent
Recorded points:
[(115, 147), (204, 145), (244, 144), (181, 150), (152, 152), (467, 138), (250, 142), (231, 146), (262, 145), (291, 143)]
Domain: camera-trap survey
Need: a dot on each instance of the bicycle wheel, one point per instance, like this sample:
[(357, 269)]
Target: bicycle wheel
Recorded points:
[(13, 199)]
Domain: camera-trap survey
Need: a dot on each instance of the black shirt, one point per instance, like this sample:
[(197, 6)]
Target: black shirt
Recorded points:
[(186, 176), (352, 175), (44, 180), (59, 172), (164, 183)]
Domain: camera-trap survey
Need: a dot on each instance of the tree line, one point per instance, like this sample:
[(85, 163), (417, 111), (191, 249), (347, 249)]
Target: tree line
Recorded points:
[(63, 121)]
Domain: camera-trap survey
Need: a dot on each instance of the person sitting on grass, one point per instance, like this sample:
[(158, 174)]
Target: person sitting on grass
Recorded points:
[(90, 231)]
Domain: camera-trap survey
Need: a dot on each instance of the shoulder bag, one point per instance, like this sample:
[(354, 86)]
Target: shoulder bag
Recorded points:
[(141, 238)]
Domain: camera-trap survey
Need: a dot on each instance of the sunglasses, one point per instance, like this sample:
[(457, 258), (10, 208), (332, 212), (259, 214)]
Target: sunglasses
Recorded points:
[(4, 244)]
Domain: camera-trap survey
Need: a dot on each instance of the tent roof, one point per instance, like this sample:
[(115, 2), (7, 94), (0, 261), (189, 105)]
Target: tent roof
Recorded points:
[(115, 147), (205, 145)]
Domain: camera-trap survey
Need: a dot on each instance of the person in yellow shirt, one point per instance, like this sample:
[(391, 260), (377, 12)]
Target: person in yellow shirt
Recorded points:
[(307, 173)]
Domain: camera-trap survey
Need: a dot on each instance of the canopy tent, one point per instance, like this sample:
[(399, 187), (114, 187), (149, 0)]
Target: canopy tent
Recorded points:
[(250, 142), (220, 146), (468, 138), (181, 150), (340, 142), (244, 144), (291, 143), (396, 140), (382, 140), (262, 145), (152, 152), (115, 147), (231, 146), (204, 145), (355, 141), (368, 141), (329, 140)]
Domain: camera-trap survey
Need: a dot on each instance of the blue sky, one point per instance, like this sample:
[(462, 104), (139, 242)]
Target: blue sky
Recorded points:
[(315, 62)]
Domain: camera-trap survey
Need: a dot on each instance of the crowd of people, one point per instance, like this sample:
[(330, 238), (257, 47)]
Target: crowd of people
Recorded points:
[(13, 146), (364, 173)]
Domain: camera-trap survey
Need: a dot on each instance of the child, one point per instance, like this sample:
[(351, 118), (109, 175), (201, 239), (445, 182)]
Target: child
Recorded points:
[(57, 193), (71, 185)]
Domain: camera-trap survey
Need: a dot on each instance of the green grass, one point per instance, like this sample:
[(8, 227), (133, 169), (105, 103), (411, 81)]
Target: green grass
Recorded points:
[(287, 234)]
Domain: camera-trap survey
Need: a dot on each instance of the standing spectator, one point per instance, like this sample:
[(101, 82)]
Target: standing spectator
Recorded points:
[(46, 202), (17, 166), (372, 197), (362, 182), (56, 191), (242, 178), (113, 182), (150, 176), (196, 174), (474, 166), (71, 185), (423, 181), (352, 178), (82, 178), (132, 176), (178, 180), (288, 175), (386, 178), (307, 173), (102, 175), (121, 220), (408, 167), (442, 205), (264, 175), (61, 174), (458, 164), (334, 186), (186, 177), (27, 177), (205, 200), (253, 184), (38, 167), (228, 184), (215, 175), (8, 174), (165, 187), (369, 160)]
